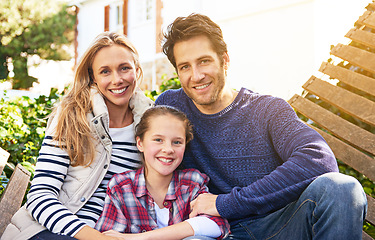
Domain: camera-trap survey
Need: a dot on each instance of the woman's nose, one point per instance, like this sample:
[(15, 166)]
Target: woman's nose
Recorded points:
[(117, 78)]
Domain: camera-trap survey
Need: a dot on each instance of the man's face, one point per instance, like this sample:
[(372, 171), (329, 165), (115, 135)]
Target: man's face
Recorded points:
[(201, 72)]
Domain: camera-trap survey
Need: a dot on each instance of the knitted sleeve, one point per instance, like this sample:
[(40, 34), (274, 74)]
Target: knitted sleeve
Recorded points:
[(305, 156)]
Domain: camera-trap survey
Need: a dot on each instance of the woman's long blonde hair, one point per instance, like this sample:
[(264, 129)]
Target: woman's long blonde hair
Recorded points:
[(73, 132)]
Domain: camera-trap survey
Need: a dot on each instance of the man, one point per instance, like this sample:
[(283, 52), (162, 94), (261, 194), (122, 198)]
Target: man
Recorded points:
[(272, 176)]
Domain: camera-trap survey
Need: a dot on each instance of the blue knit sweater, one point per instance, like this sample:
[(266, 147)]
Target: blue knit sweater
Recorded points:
[(257, 152)]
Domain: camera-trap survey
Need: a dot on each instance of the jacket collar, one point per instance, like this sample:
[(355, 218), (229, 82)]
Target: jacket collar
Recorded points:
[(138, 103)]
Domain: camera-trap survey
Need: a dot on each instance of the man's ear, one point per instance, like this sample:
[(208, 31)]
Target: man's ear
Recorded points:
[(226, 60), (139, 144)]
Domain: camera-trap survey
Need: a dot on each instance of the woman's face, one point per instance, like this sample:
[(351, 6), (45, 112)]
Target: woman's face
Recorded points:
[(115, 74)]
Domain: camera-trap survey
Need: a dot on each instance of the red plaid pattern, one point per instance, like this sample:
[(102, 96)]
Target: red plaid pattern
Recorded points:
[(129, 207)]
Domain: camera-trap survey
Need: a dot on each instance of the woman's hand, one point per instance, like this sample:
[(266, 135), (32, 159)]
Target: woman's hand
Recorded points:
[(88, 233), (127, 236)]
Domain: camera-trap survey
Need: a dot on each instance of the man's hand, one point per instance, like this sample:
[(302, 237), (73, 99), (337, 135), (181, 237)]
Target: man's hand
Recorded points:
[(205, 203)]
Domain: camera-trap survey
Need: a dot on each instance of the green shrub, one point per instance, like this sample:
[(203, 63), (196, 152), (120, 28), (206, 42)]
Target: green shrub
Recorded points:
[(22, 126)]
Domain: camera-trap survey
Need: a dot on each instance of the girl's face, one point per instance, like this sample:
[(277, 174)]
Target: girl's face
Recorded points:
[(115, 74), (163, 145)]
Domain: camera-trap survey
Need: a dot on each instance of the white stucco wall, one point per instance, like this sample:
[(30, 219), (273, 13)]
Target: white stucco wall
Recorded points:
[(275, 45)]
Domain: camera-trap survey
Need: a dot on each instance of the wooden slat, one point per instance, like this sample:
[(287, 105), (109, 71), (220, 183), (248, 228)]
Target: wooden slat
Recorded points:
[(350, 155), (355, 56), (359, 81), (355, 105), (364, 37), (368, 19), (338, 126), (370, 6), (12, 197), (370, 216), (4, 155), (365, 236)]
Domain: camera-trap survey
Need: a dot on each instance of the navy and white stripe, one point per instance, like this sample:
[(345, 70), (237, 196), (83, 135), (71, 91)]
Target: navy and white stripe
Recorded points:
[(125, 156), (51, 171)]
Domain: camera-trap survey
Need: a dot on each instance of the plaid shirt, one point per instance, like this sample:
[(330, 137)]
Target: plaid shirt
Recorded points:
[(129, 207)]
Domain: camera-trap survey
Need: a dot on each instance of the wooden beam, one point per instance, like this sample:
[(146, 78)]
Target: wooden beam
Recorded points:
[(348, 102), (11, 199), (364, 37), (341, 128), (367, 19), (354, 79), (350, 155), (355, 56), (370, 216)]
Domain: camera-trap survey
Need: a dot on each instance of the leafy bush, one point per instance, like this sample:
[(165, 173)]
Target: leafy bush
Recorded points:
[(22, 126), (172, 83)]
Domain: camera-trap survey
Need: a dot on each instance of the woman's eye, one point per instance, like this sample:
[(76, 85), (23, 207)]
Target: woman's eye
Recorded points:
[(157, 140), (104, 72), (125, 68)]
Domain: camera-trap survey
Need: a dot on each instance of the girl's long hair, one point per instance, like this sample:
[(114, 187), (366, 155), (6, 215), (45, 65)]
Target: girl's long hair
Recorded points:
[(73, 132)]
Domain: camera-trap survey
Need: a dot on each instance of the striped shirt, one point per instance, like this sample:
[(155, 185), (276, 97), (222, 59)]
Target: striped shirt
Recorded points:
[(51, 170)]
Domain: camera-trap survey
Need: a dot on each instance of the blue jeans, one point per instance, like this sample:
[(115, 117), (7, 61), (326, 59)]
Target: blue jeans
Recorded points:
[(333, 206)]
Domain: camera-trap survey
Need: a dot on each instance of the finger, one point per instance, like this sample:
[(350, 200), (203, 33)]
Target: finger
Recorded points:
[(193, 203)]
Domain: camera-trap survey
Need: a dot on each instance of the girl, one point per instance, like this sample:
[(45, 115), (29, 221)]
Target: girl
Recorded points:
[(89, 138), (148, 200)]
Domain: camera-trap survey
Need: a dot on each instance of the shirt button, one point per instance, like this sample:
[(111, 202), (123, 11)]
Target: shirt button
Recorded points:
[(105, 166), (96, 121), (103, 137), (83, 199), (144, 230), (165, 204)]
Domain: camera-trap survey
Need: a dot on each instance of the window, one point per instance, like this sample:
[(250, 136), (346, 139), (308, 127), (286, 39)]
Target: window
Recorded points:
[(145, 10)]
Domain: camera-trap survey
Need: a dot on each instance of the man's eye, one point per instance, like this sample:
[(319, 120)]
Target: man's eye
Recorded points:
[(184, 67)]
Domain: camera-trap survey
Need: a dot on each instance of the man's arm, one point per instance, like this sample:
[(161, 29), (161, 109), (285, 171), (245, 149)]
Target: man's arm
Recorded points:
[(305, 156)]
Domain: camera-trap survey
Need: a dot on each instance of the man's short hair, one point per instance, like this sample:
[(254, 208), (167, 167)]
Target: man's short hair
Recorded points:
[(185, 28)]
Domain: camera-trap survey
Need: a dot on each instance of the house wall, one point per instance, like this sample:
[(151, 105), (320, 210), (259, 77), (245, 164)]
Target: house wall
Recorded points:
[(274, 45)]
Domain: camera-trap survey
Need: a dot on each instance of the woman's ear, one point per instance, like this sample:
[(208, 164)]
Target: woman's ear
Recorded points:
[(139, 144)]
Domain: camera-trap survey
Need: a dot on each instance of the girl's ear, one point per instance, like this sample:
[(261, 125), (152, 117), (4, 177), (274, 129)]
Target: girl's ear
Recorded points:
[(139, 144)]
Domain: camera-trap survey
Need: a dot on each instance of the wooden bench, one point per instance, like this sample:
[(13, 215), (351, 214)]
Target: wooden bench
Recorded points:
[(14, 193), (346, 90)]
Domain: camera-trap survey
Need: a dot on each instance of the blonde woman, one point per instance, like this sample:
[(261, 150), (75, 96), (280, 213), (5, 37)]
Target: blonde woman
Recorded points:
[(89, 138)]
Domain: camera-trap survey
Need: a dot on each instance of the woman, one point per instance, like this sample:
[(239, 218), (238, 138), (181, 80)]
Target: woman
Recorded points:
[(89, 138)]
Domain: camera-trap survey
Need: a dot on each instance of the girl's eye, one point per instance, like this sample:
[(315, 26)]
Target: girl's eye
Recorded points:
[(125, 68), (157, 140), (104, 71), (177, 142)]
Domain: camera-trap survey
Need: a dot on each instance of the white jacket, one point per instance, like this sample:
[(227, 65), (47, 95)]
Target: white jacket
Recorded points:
[(81, 182)]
